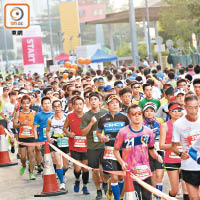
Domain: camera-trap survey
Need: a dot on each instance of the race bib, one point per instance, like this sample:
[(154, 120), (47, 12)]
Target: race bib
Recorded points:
[(173, 155), (108, 153), (44, 133), (142, 171), (26, 131), (63, 142), (80, 141), (95, 138)]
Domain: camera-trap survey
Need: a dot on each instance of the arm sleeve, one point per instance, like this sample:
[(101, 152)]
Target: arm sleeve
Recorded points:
[(151, 142)]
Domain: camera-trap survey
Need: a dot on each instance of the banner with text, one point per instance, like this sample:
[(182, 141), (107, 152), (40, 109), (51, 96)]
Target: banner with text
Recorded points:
[(32, 51)]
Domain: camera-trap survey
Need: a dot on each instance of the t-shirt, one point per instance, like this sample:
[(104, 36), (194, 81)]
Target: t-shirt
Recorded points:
[(111, 126), (161, 75), (92, 140), (144, 101), (186, 132), (41, 120), (8, 111), (135, 146)]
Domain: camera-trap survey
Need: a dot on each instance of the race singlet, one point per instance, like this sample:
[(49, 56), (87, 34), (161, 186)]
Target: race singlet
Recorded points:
[(80, 141), (63, 142), (108, 153), (142, 171)]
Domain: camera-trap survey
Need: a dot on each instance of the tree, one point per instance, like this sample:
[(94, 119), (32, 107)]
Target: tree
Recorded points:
[(180, 20)]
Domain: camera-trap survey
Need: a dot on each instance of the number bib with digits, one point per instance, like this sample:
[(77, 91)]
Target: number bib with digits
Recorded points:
[(142, 171), (80, 141), (63, 142), (26, 131), (95, 138), (108, 153)]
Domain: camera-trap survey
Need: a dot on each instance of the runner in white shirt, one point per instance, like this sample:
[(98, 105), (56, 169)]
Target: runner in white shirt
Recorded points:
[(186, 130)]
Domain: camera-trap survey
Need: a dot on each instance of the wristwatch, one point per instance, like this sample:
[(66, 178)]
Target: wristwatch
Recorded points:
[(180, 154)]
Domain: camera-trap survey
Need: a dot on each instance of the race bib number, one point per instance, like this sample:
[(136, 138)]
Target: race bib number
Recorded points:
[(26, 131), (95, 138), (108, 153), (142, 171), (63, 142), (44, 133), (173, 155), (80, 141)]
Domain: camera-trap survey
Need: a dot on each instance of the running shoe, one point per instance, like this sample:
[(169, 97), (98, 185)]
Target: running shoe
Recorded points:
[(32, 176), (39, 170), (109, 193), (22, 170), (99, 195), (76, 186), (62, 186), (105, 187), (85, 190)]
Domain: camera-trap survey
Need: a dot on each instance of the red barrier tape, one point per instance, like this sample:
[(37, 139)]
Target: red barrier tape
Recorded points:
[(118, 173)]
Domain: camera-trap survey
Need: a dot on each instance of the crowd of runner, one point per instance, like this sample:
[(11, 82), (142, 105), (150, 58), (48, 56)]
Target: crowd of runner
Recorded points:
[(143, 119)]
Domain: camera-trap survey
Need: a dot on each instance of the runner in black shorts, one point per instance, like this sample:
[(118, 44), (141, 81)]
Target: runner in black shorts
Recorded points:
[(95, 149), (58, 138), (77, 143), (111, 123)]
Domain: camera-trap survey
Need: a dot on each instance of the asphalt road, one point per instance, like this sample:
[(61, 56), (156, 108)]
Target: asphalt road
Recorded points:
[(15, 187)]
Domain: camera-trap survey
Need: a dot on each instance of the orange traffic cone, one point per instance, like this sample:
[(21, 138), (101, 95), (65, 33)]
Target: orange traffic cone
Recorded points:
[(4, 154), (130, 193), (50, 184)]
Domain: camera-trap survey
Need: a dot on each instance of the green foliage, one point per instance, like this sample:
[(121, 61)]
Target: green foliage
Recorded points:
[(124, 50), (180, 20)]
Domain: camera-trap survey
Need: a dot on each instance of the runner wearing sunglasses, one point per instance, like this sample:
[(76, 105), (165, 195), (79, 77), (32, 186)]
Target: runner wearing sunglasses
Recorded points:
[(111, 123), (136, 141)]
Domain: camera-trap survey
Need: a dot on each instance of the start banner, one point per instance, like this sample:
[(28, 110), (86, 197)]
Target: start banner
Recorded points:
[(32, 51)]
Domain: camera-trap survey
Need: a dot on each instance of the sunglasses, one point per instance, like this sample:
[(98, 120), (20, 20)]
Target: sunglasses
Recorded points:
[(78, 86), (136, 113), (86, 96), (119, 86), (25, 102), (136, 87), (179, 110)]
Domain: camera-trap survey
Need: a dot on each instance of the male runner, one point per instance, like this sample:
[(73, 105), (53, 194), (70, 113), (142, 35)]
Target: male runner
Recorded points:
[(111, 123)]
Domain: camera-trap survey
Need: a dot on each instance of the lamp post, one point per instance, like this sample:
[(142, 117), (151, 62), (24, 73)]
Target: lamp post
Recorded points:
[(133, 33), (50, 32), (4, 37), (148, 32)]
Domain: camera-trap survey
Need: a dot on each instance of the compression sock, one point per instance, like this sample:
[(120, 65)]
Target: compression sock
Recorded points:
[(77, 175), (185, 197), (60, 174), (159, 186), (85, 177), (115, 190), (121, 185)]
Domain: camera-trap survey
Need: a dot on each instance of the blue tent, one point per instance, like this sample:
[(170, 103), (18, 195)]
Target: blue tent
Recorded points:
[(100, 56)]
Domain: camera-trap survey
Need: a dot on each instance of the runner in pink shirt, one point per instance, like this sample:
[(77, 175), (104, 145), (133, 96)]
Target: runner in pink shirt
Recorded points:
[(136, 141)]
